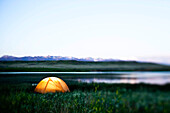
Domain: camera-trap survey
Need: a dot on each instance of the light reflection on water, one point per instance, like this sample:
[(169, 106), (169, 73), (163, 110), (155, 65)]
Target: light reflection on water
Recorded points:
[(159, 78), (159, 81)]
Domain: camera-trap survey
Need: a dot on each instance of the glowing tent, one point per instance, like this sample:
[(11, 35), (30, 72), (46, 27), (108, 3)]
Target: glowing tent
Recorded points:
[(51, 84)]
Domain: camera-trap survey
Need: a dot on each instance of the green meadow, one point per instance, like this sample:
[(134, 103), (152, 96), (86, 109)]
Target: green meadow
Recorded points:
[(86, 98)]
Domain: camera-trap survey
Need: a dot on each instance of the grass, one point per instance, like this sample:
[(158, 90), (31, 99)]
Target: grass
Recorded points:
[(53, 66), (86, 98), (17, 93)]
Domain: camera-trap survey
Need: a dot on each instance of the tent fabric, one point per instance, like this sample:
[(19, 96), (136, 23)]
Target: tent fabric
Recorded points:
[(51, 84)]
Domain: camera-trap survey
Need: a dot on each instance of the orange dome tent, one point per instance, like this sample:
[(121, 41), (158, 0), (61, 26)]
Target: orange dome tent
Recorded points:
[(51, 84)]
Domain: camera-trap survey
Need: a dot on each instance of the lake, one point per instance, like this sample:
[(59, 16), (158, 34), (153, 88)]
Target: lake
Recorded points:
[(159, 78)]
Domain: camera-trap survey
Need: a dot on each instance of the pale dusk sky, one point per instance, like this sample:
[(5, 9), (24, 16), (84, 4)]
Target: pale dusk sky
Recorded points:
[(85, 28)]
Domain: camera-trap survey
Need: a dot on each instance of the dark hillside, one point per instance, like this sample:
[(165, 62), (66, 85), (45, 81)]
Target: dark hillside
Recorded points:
[(71, 65)]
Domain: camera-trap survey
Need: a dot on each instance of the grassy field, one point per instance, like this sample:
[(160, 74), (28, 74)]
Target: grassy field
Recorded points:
[(86, 98), (18, 96), (79, 66)]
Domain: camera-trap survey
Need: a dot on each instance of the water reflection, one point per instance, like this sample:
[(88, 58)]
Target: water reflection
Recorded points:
[(159, 78), (159, 81)]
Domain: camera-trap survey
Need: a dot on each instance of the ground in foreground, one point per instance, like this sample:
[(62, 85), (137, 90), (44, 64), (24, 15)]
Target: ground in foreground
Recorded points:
[(118, 98)]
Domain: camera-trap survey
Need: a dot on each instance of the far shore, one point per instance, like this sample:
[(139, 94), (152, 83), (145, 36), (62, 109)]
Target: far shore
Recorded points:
[(78, 66)]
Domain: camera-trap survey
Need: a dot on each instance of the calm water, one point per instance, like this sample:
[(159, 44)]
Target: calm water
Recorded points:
[(159, 78)]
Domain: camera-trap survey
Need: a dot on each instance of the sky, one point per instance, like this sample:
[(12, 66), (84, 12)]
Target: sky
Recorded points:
[(85, 28)]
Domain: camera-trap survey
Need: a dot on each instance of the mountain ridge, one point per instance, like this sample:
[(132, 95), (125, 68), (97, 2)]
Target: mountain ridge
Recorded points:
[(157, 60), (51, 58)]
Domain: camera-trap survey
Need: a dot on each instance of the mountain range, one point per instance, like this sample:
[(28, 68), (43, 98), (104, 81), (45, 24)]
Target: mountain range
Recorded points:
[(160, 60), (50, 58)]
